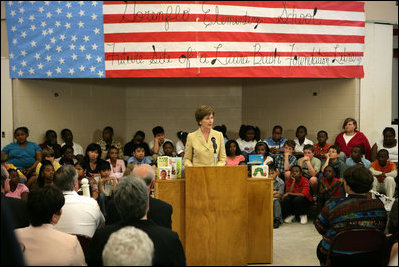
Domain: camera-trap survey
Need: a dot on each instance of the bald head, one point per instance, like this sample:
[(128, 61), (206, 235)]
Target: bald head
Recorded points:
[(145, 172)]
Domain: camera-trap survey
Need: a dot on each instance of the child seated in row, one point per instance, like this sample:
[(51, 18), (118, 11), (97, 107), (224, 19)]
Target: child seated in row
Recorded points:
[(356, 157), (278, 192), (276, 141), (5, 166), (321, 148), (301, 141), (262, 148), (333, 158), (93, 186), (249, 136), (233, 153), (139, 156), (68, 156), (117, 165), (297, 199), (285, 161), (329, 186), (17, 189), (48, 154), (169, 149), (106, 185), (384, 172), (310, 166)]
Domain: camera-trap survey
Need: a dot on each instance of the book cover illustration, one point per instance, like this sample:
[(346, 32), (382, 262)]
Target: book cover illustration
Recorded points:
[(260, 171)]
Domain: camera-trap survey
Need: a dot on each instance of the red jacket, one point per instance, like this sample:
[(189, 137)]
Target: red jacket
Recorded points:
[(358, 140)]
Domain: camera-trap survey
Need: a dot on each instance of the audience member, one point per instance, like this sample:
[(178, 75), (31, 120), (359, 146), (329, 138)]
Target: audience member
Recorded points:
[(261, 148), (249, 136), (50, 141), (17, 189), (48, 154), (80, 215), (138, 138), (278, 192), (181, 143), (329, 186), (68, 156), (139, 157), (159, 138), (41, 243), (5, 165), (92, 159), (301, 141), (159, 211), (169, 149), (16, 208), (23, 154), (221, 128), (353, 212), (384, 172), (81, 169), (297, 199), (285, 161), (333, 159), (106, 186), (233, 153), (131, 201), (351, 137), (310, 166), (129, 168), (276, 141), (107, 141), (389, 143), (321, 148), (356, 157), (46, 176), (117, 165), (67, 136), (128, 246)]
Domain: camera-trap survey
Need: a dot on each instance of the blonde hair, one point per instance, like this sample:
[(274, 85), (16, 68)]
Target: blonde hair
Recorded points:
[(203, 111), (129, 168)]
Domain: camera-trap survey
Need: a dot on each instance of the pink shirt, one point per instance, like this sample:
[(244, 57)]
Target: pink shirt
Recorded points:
[(118, 170), (236, 161), (21, 188)]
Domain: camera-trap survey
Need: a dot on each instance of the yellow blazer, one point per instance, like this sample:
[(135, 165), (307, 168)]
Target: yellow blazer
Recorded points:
[(198, 152)]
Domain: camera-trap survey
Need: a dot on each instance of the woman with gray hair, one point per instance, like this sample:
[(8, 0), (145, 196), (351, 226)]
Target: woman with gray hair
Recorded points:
[(128, 246)]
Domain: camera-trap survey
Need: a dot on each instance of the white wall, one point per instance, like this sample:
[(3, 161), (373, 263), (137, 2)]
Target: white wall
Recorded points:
[(376, 86), (6, 104)]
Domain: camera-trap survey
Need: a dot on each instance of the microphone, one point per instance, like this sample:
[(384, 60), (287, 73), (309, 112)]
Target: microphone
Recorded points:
[(215, 146)]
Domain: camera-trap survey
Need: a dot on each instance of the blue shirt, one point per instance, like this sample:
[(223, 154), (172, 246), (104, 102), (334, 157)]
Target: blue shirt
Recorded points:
[(22, 158), (145, 160), (271, 143), (366, 163)]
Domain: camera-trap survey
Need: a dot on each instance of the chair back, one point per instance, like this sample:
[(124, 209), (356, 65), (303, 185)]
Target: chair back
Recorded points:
[(84, 241), (366, 245)]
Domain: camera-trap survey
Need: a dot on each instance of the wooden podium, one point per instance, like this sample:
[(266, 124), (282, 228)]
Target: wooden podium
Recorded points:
[(222, 217)]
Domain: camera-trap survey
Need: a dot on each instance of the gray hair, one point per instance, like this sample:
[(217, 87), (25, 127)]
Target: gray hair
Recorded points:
[(145, 172), (128, 246), (65, 177), (131, 198)]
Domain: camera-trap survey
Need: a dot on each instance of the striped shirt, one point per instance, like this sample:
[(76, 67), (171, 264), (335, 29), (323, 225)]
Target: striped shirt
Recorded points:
[(352, 212)]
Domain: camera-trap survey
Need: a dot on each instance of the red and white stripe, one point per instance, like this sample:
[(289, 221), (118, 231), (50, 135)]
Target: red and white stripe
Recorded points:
[(157, 44)]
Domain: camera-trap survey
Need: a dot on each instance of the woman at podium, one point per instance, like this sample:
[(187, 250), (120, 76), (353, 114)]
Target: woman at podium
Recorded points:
[(205, 146)]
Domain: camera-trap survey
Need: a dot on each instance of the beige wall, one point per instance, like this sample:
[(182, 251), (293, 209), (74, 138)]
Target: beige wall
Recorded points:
[(386, 11)]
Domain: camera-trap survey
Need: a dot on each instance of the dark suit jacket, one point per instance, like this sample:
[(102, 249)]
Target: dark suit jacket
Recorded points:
[(18, 211), (160, 212), (168, 249)]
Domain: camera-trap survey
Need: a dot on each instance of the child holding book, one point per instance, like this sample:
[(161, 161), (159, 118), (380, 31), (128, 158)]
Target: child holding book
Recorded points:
[(262, 148), (233, 153), (106, 185), (285, 161), (118, 166), (139, 156), (278, 192), (384, 172), (329, 186), (297, 198)]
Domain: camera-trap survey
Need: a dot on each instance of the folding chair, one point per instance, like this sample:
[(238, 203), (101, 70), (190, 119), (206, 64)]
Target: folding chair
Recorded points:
[(369, 246)]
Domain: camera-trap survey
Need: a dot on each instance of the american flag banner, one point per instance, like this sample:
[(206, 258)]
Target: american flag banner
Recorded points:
[(105, 39)]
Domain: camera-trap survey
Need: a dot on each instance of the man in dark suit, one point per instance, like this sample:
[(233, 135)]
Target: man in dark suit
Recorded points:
[(160, 212), (131, 201)]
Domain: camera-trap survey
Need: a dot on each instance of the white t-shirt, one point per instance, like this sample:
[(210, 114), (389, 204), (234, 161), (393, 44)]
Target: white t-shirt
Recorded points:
[(80, 215), (347, 138), (393, 151), (246, 146), (298, 147), (77, 149), (179, 147), (267, 160), (160, 152)]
